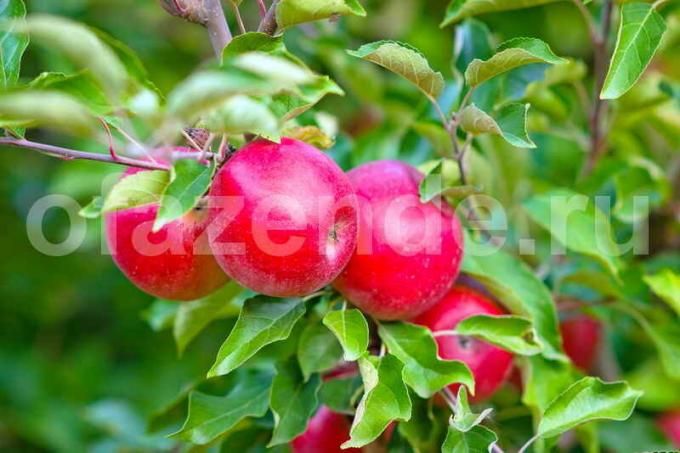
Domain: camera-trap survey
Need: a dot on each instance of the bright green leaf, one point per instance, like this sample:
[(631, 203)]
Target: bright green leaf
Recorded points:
[(263, 320), (242, 115), (93, 209), (587, 400), (509, 55), (463, 418), (640, 33), (161, 314), (287, 106), (310, 134), (404, 60), (478, 440), (318, 349), (424, 371), (144, 187), (509, 332), (544, 380), (460, 9), (293, 402), (510, 122), (666, 285), (80, 86), (12, 44), (294, 12), (351, 330)]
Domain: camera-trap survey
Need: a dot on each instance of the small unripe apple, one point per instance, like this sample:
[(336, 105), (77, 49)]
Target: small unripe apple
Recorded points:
[(581, 339), (284, 218), (326, 431), (489, 364), (669, 422), (408, 252), (174, 263)]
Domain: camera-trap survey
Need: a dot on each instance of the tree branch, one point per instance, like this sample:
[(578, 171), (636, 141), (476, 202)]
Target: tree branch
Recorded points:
[(268, 24), (208, 13)]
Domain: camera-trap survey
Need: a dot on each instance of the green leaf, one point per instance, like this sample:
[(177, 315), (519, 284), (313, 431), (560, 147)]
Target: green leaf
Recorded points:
[(463, 418), (288, 106), (293, 401), (81, 86), (510, 122), (255, 42), (80, 45), (587, 400), (425, 429), (192, 317), (461, 9), (660, 392), (310, 134), (161, 314), (212, 416), (263, 320), (190, 181), (473, 40), (640, 32), (436, 135), (666, 285), (508, 332), (12, 44), (423, 371), (93, 209), (513, 283), (545, 380), (144, 187), (337, 393), (405, 60), (509, 55), (242, 115), (665, 337), (49, 109), (351, 330), (577, 224), (385, 399), (478, 440), (318, 350), (294, 12)]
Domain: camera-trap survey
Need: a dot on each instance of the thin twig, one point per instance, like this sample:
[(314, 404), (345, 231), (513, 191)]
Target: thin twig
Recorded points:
[(268, 24), (239, 19), (262, 7), (112, 150)]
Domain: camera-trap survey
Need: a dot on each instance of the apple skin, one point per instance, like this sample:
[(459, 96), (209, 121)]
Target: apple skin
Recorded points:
[(326, 431), (581, 337), (490, 365), (284, 218), (185, 270), (669, 423), (408, 253)]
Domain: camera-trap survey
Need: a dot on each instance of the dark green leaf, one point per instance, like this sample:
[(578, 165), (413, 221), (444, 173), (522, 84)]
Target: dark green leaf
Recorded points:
[(385, 399), (640, 33), (338, 393), (142, 188), (423, 371), (12, 44), (255, 42), (351, 330), (294, 12), (318, 349), (472, 41), (461, 9), (293, 401), (545, 379), (509, 332), (263, 320)]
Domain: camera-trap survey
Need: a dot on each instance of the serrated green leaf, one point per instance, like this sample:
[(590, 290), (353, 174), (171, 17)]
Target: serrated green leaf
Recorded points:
[(192, 317), (405, 60), (587, 400), (576, 223), (190, 181), (318, 350), (509, 55), (351, 330), (93, 209), (254, 42), (212, 416), (263, 320), (82, 46), (666, 285), (49, 109), (513, 283), (385, 399), (423, 371), (80, 86), (293, 402), (640, 32), (12, 44), (477, 440), (510, 122), (508, 332), (294, 12), (144, 187), (242, 115), (463, 418), (461, 9)]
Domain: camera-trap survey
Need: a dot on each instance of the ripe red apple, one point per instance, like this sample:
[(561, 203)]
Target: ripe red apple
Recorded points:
[(284, 218), (174, 263), (669, 422), (326, 431), (408, 253), (489, 364), (581, 338)]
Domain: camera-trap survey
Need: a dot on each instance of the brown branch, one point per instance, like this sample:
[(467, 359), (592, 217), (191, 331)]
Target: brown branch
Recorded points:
[(268, 24), (262, 7), (208, 13)]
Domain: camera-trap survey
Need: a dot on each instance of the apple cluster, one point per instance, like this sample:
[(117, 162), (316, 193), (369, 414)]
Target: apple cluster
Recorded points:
[(282, 219)]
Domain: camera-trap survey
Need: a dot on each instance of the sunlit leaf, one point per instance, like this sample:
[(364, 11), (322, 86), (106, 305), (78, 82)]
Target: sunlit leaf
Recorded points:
[(294, 12), (80, 86), (477, 440), (144, 187), (666, 284), (460, 9), (509, 332), (510, 122), (242, 115)]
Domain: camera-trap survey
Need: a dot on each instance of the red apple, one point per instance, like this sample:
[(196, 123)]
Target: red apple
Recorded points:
[(581, 338), (174, 263), (408, 252), (489, 364), (326, 431), (284, 218), (669, 422)]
